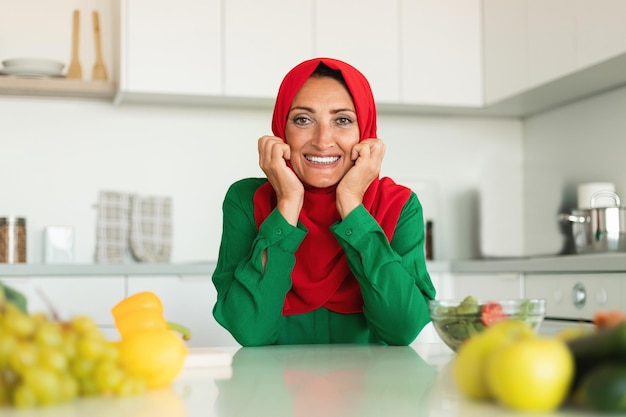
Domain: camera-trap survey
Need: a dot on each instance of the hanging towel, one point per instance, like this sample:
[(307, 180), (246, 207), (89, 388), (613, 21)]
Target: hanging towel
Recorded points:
[(112, 227), (151, 229)]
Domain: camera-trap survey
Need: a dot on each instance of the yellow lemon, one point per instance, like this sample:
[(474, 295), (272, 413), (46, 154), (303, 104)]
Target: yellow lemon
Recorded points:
[(468, 367), (530, 374)]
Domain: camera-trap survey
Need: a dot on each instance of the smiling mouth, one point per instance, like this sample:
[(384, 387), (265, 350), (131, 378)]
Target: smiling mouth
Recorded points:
[(321, 160)]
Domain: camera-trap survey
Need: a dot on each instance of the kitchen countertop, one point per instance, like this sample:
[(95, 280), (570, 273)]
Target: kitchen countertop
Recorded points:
[(299, 381), (173, 269), (609, 262), (605, 262)]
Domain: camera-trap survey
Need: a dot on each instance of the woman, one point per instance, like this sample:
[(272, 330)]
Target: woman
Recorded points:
[(322, 250)]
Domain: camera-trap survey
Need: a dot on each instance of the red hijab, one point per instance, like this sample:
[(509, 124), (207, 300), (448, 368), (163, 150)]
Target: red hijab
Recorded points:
[(321, 276)]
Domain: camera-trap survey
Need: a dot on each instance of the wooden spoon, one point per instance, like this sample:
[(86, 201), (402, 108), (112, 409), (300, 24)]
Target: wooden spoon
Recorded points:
[(99, 70), (74, 71)]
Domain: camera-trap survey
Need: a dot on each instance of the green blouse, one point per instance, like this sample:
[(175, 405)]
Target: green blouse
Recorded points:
[(393, 278)]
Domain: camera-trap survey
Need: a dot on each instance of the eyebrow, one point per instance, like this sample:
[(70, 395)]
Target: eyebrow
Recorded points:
[(309, 109)]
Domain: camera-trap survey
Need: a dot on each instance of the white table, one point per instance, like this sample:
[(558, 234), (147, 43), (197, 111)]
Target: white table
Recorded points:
[(302, 381)]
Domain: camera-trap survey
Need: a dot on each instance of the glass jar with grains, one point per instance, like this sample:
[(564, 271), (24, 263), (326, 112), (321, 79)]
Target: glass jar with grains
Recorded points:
[(12, 239)]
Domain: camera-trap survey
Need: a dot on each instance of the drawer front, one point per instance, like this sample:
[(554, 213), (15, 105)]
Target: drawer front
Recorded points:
[(576, 296), (487, 286)]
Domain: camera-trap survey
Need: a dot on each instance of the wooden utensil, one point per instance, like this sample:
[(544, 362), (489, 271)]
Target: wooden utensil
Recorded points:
[(74, 71), (99, 70)]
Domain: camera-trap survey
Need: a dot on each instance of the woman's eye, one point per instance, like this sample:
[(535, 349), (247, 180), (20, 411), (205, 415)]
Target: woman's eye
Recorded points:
[(344, 121), (301, 120)]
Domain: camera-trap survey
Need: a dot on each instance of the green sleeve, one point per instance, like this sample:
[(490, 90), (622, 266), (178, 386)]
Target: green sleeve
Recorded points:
[(250, 299), (393, 277)]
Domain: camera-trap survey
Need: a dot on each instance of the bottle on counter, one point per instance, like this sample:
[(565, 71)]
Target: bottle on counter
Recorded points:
[(12, 239), (428, 244)]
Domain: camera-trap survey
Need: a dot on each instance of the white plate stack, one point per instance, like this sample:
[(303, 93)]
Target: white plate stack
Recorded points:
[(32, 68)]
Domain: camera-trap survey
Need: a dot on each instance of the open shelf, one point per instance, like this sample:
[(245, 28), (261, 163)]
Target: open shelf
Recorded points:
[(57, 87)]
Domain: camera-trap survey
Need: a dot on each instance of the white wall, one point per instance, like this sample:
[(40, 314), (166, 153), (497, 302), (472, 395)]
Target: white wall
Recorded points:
[(457, 165), (57, 154), (582, 142)]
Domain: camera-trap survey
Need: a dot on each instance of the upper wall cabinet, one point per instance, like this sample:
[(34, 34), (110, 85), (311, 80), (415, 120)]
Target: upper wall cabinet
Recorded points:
[(532, 44), (365, 34), (424, 52), (441, 52), (600, 30), (263, 40), (551, 40), (487, 57), (171, 47), (505, 50)]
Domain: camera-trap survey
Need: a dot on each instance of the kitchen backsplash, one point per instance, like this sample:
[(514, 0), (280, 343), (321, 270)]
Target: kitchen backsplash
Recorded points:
[(61, 153), (579, 143)]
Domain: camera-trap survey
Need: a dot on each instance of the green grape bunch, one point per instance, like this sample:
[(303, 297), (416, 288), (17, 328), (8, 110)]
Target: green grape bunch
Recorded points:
[(45, 361)]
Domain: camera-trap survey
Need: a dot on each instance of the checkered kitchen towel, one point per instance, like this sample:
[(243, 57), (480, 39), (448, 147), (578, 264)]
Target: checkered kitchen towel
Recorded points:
[(151, 229), (112, 227)]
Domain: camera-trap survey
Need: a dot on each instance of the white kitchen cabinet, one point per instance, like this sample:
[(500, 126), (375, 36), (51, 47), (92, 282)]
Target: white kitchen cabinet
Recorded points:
[(600, 30), (551, 40), (531, 46), (505, 48), (441, 54), (487, 286), (365, 34), (171, 47), (73, 296), (188, 301), (263, 40), (526, 43), (576, 296)]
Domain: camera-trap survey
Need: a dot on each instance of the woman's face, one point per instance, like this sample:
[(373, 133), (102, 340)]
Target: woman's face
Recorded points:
[(321, 130)]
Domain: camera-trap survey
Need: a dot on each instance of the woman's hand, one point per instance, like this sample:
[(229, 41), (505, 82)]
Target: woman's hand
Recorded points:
[(368, 158), (273, 156)]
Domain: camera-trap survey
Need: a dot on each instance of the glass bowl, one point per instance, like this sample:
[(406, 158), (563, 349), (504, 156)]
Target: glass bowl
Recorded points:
[(457, 320)]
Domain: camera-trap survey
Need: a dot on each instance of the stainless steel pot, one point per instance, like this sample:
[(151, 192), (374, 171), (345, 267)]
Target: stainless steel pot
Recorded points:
[(599, 229)]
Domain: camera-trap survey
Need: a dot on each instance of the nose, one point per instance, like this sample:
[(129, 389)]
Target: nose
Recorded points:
[(323, 137)]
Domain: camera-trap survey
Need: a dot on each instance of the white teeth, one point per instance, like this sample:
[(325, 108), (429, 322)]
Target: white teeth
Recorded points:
[(322, 159)]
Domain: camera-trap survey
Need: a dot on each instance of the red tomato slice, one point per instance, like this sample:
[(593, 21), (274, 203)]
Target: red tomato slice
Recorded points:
[(492, 313)]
